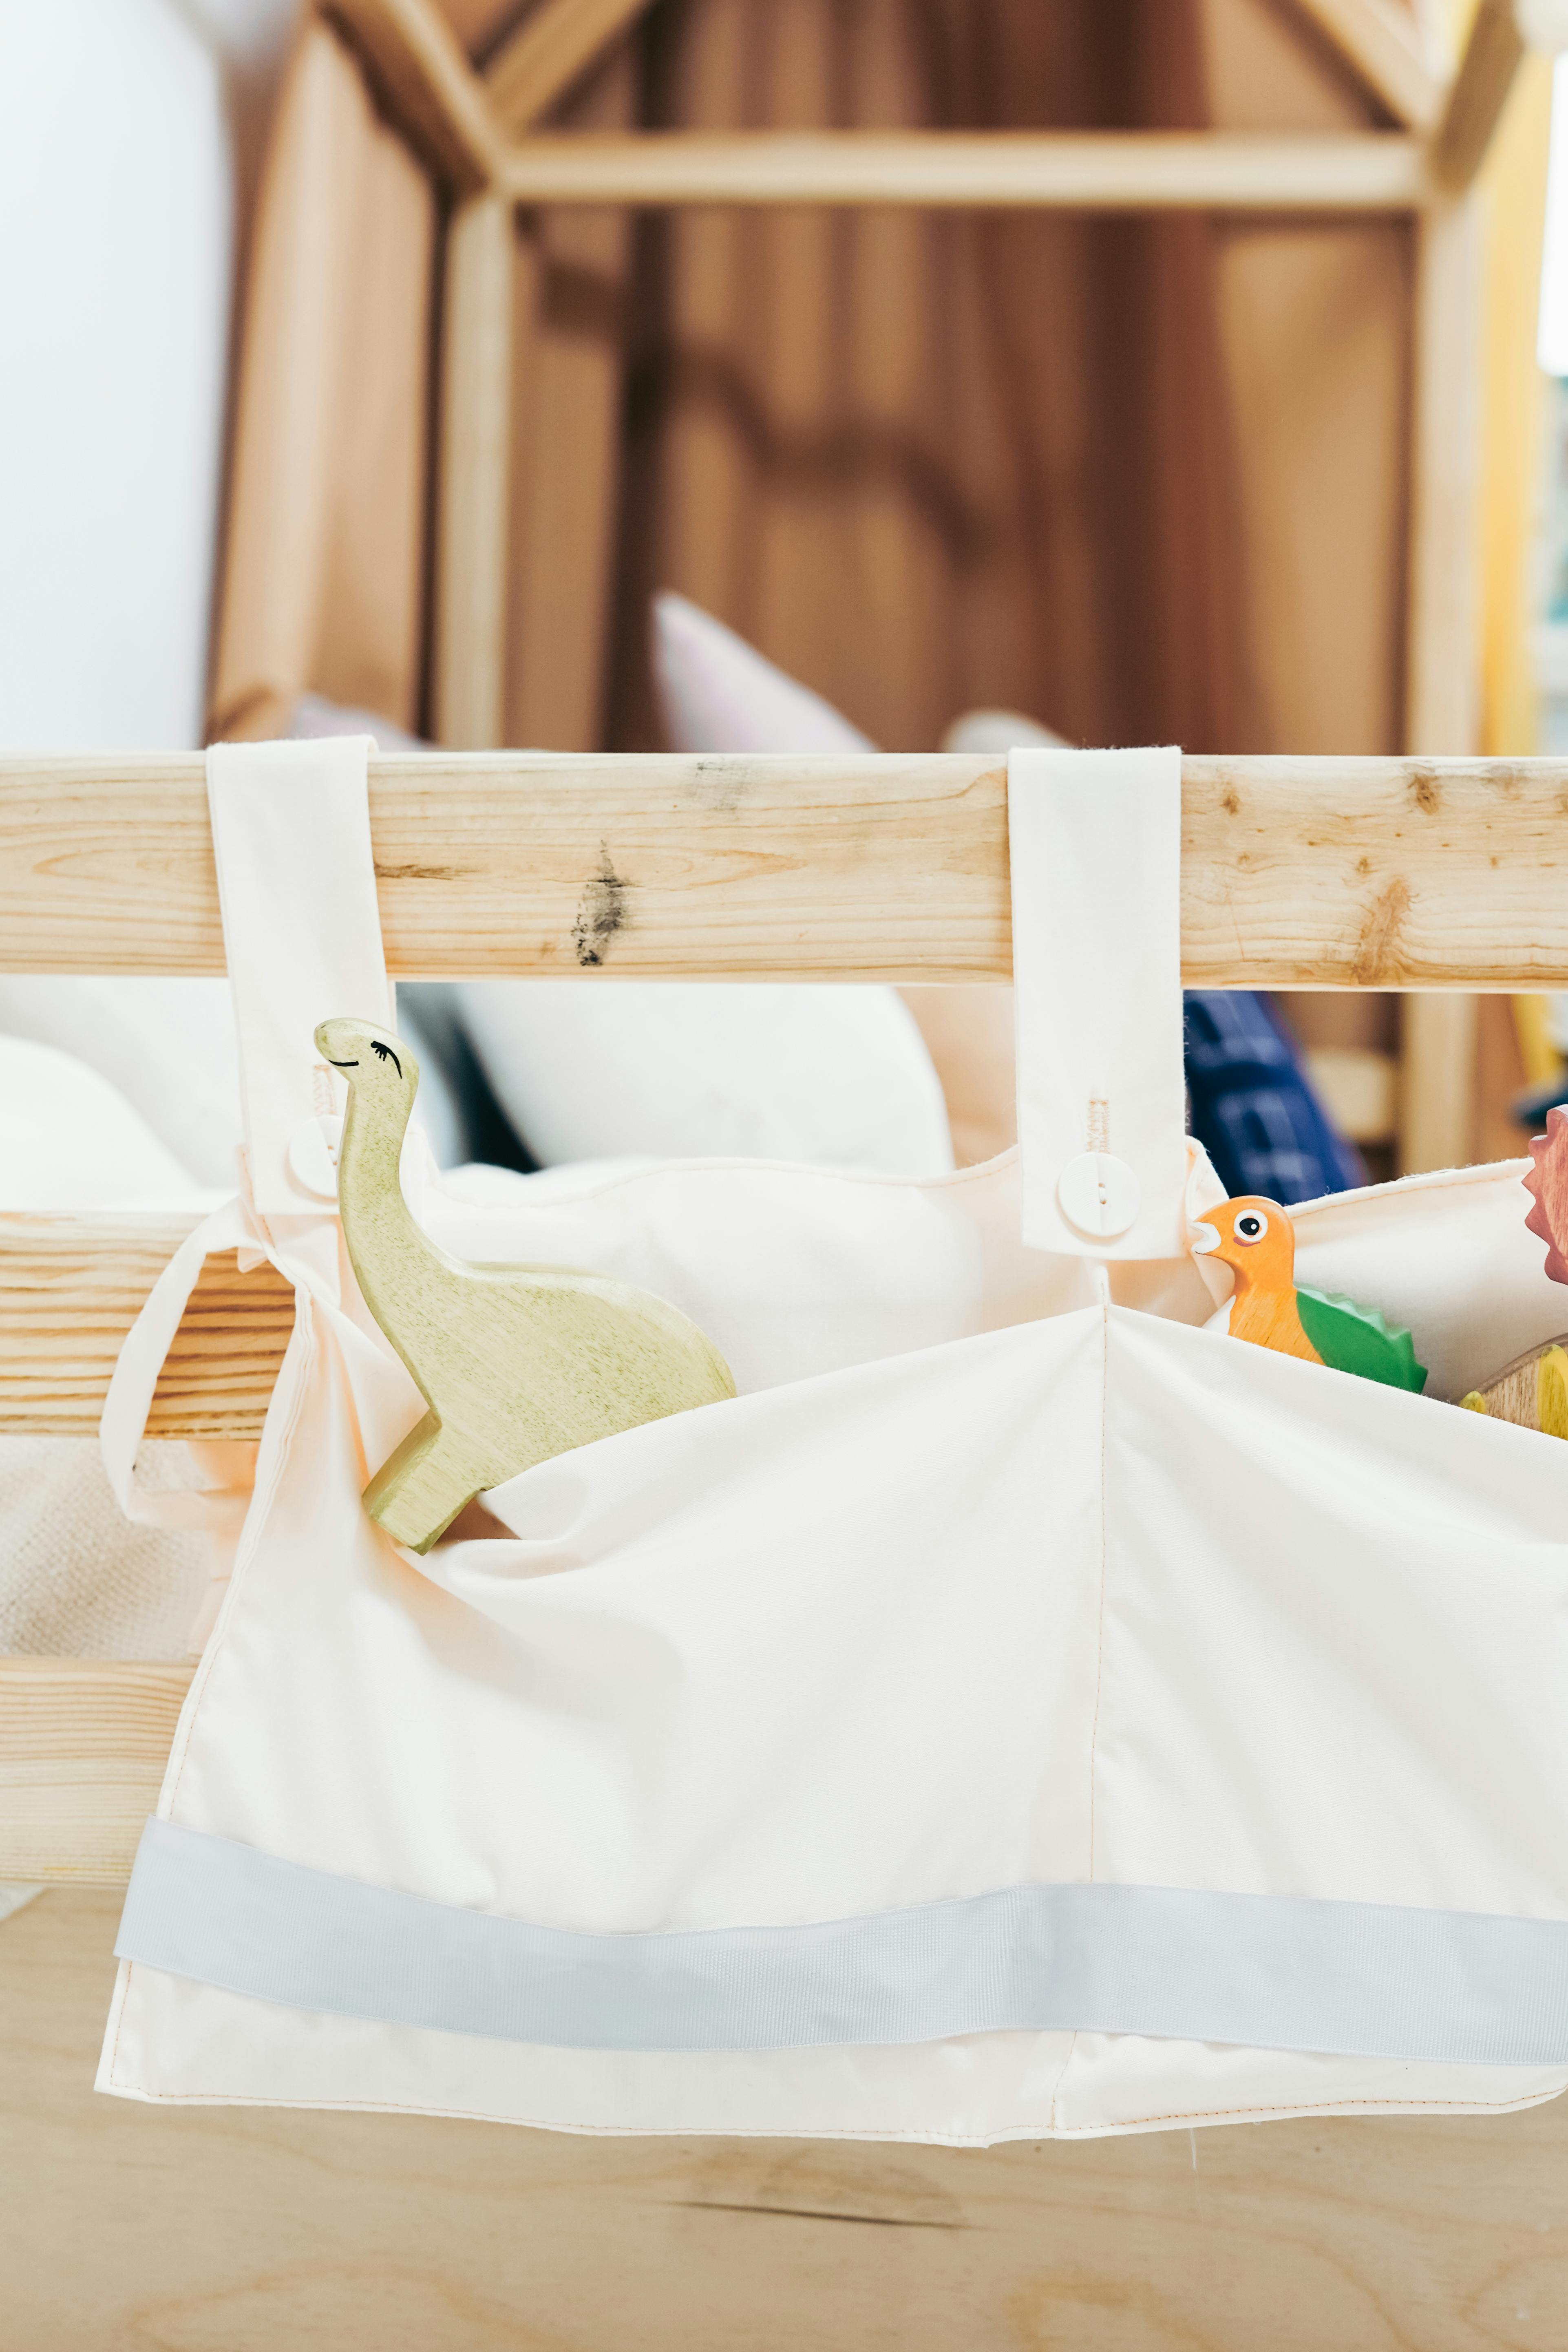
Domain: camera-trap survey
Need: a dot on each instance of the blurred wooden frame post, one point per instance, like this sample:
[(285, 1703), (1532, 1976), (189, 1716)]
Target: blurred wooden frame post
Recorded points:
[(1437, 1060), (468, 668), (1436, 1125)]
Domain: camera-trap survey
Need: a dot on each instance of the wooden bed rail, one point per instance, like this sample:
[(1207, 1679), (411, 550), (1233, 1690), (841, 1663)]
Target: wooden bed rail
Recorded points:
[(70, 1288), (1297, 873), (83, 1744), (1384, 873)]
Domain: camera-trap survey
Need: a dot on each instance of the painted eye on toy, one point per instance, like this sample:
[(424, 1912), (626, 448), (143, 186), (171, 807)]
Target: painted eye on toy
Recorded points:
[(1251, 1226), (384, 1054)]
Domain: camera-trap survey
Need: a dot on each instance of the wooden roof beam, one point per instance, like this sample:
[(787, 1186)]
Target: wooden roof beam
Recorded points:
[(550, 50), (1493, 54), (1067, 171), (440, 101), (1381, 43)]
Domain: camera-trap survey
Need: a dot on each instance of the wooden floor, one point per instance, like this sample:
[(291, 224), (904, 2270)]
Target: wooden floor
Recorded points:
[(123, 2228)]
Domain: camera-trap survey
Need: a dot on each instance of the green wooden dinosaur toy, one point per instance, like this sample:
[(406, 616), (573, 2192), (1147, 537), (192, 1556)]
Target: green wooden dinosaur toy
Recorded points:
[(516, 1362)]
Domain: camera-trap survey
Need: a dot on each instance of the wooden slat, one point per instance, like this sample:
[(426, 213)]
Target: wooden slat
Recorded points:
[(1437, 1072), (1311, 873), (555, 43), (1493, 54), (1381, 42), (70, 1288), (435, 96), (1070, 171), (473, 500), (1443, 668), (83, 1743)]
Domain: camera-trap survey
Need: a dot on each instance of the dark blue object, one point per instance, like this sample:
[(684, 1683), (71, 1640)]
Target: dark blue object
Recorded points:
[(1253, 1107)]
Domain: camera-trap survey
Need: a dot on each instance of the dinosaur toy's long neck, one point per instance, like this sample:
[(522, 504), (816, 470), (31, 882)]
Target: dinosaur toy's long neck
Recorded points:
[(392, 1259)]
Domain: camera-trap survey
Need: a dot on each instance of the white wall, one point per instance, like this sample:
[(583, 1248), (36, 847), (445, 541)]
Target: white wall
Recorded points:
[(115, 240)]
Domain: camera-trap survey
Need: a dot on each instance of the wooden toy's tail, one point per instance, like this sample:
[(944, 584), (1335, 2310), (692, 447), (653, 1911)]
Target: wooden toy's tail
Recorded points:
[(419, 1489), (1355, 1339)]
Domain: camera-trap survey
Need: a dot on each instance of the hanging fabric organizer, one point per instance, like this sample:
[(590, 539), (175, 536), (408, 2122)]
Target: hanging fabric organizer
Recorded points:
[(1020, 1711)]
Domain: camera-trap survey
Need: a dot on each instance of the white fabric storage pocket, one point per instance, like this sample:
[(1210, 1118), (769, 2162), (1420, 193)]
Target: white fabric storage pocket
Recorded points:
[(1018, 1711)]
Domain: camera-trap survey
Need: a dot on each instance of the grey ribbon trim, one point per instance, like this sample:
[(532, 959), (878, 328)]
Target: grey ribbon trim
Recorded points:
[(1264, 1971)]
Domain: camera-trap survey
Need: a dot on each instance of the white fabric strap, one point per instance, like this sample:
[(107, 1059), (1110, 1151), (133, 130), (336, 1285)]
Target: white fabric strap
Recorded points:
[(291, 826), (1096, 843)]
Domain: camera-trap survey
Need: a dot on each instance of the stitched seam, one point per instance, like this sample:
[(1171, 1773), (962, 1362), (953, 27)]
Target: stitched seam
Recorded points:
[(1452, 1178), (1099, 1654), (248, 1548), (1100, 1633), (883, 1179), (792, 2131), (242, 1557), (1447, 1180), (119, 2025), (250, 1539), (1327, 2106)]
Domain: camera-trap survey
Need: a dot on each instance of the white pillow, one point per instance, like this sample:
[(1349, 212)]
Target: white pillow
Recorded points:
[(1000, 732), (69, 1140), (115, 197), (166, 1046), (717, 693), (673, 1069), (837, 1076)]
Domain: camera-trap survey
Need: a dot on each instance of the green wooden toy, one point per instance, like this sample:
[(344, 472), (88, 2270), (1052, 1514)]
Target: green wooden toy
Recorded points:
[(516, 1362)]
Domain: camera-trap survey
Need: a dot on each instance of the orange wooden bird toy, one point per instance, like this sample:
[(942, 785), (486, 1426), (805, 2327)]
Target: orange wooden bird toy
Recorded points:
[(1256, 1240)]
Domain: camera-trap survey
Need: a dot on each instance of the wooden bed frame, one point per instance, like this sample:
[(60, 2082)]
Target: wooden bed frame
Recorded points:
[(1388, 873), (1400, 874), (1440, 876), (478, 134)]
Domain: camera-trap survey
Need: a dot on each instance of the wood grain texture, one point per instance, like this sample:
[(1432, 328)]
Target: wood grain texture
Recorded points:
[(573, 302), (1381, 43), (1437, 1082), (1147, 171), (70, 1288), (83, 1744), (516, 1363), (330, 411), (1437, 1064), (1493, 54), (1443, 653), (1296, 873), (472, 548), (432, 91), (555, 43), (1527, 1392), (233, 2230)]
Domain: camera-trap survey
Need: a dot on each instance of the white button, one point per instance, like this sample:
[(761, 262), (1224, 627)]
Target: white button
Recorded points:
[(1099, 1194), (313, 1156)]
